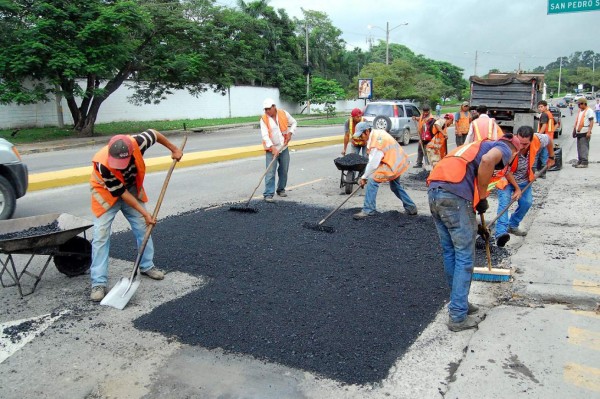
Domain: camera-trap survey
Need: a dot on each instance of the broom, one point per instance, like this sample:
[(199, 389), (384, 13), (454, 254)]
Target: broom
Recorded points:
[(489, 273)]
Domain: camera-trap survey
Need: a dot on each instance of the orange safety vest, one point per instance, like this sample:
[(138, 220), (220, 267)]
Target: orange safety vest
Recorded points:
[(422, 123), (102, 199), (462, 123), (534, 148), (549, 126), (479, 126), (357, 142), (394, 162), (438, 145), (582, 121), (282, 120)]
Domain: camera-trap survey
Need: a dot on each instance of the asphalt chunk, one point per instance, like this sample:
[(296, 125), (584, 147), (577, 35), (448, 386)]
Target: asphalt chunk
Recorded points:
[(32, 232), (344, 305)]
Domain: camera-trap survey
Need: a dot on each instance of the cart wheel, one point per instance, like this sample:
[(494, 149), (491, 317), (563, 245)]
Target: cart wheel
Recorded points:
[(348, 188), (349, 181), (74, 257)]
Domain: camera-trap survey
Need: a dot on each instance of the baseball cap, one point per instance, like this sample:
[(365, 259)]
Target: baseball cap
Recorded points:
[(268, 103), (513, 139), (465, 103), (356, 112), (449, 116), (120, 149), (360, 128), (582, 100)]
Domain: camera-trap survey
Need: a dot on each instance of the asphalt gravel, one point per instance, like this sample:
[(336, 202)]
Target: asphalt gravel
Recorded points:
[(32, 232), (344, 305)]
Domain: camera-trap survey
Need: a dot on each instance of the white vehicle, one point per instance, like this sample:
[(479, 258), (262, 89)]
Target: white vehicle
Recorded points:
[(395, 117), (14, 178)]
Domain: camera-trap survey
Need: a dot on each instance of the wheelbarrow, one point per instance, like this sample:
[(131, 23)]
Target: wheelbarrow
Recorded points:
[(352, 167), (53, 235)]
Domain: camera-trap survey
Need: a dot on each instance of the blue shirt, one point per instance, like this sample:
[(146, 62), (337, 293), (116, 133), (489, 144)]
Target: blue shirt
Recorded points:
[(466, 188)]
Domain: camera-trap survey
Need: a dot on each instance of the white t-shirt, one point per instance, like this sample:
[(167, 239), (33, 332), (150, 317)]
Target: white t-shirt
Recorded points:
[(587, 115)]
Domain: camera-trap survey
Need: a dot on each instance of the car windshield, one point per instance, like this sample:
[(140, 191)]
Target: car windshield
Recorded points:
[(379, 109)]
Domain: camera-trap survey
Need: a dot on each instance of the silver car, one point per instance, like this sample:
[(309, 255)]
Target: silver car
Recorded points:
[(14, 178), (395, 117)]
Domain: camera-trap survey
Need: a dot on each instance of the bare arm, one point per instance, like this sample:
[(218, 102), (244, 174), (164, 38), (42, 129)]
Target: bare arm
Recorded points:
[(176, 153), (130, 200)]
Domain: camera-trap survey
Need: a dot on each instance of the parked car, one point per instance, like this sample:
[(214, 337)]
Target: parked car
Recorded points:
[(557, 121), (14, 178), (395, 117), (577, 97), (590, 96), (561, 104), (568, 97)]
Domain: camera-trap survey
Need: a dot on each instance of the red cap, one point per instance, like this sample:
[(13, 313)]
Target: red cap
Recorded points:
[(120, 149), (449, 116), (356, 112)]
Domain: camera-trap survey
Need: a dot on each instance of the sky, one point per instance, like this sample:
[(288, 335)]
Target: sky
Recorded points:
[(503, 33)]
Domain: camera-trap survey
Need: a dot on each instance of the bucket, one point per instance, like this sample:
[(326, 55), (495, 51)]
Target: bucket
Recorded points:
[(557, 158)]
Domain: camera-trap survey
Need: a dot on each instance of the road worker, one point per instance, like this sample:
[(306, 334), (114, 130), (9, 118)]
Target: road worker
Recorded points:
[(463, 120), (357, 146), (483, 127), (438, 146)]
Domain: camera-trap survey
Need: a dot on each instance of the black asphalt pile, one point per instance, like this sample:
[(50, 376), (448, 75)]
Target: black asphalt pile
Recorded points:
[(32, 232), (343, 305), (351, 162)]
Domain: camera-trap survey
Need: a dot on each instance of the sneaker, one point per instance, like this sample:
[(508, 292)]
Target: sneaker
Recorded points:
[(269, 199), (411, 212), (502, 239), (154, 274), (417, 166), (98, 293), (360, 215), (468, 323), (282, 193), (575, 165), (472, 309), (517, 232), (581, 165)]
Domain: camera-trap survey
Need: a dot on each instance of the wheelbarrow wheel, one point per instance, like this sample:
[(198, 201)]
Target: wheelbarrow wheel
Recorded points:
[(349, 180), (74, 257)]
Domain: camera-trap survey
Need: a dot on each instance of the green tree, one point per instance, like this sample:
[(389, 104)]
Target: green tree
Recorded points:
[(158, 44)]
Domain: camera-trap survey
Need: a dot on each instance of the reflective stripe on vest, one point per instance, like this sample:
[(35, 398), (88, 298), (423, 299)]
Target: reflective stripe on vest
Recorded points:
[(282, 121), (534, 148), (357, 142), (462, 123), (102, 199), (490, 130), (582, 121), (549, 125), (394, 162)]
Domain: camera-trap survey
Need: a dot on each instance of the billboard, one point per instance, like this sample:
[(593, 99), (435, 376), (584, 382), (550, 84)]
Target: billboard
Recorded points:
[(365, 88)]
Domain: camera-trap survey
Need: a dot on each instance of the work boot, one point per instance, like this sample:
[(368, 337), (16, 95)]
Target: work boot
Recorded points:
[(472, 309), (98, 293), (517, 232), (502, 239), (361, 215), (154, 274), (269, 199), (411, 212), (581, 165), (468, 323), (417, 166), (282, 193)]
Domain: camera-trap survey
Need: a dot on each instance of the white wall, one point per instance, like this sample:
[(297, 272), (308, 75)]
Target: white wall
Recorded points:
[(240, 101)]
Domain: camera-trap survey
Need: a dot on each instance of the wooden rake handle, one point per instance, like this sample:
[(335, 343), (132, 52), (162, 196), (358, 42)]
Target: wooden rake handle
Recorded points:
[(265, 173)]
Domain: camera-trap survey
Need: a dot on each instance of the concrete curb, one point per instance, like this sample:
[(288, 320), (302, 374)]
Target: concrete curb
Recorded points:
[(67, 177)]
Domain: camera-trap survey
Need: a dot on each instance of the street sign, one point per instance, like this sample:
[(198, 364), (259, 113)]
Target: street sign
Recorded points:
[(562, 6)]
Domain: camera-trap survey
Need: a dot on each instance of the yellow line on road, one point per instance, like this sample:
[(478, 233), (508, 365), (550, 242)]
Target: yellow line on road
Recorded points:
[(586, 338), (586, 313), (305, 184), (582, 376), (588, 255), (586, 286), (587, 269)]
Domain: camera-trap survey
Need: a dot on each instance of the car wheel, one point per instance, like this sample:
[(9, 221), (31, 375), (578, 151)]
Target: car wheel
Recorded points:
[(382, 122), (8, 199), (405, 137)]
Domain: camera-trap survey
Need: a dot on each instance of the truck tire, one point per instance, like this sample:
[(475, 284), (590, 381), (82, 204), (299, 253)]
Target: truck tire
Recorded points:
[(8, 199), (382, 122)]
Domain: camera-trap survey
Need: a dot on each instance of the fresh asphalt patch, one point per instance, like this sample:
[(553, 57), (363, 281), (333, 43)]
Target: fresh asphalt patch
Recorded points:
[(344, 306)]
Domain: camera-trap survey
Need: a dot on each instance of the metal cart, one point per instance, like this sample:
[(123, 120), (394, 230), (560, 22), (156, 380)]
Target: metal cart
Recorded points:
[(52, 235), (350, 173)]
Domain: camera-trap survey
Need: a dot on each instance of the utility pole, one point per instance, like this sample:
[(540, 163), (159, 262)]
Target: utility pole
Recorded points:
[(307, 73), (387, 31), (559, 76), (475, 68), (593, 73)]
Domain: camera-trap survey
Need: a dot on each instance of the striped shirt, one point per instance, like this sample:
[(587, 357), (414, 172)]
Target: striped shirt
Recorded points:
[(145, 140)]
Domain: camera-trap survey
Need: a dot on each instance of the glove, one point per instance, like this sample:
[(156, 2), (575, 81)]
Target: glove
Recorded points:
[(482, 206), (483, 232)]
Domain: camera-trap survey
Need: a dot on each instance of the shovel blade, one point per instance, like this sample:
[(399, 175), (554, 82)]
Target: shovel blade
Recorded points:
[(118, 297)]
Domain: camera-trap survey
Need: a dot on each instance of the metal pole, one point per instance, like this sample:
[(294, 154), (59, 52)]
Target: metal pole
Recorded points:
[(559, 76), (308, 74), (387, 44), (593, 72), (475, 69)]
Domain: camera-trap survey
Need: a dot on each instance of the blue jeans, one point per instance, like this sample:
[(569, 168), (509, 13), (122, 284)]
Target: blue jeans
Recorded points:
[(541, 158), (457, 227), (524, 203), (597, 117), (369, 205), (358, 150), (101, 241), (281, 165)]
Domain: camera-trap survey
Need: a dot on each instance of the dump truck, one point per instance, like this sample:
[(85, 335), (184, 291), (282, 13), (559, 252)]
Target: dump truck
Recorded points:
[(511, 98)]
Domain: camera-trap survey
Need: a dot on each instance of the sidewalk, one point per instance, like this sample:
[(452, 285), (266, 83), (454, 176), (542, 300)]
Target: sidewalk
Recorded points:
[(545, 341)]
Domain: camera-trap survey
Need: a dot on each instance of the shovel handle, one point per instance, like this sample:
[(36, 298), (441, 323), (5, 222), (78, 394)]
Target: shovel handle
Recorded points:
[(487, 244), (339, 206)]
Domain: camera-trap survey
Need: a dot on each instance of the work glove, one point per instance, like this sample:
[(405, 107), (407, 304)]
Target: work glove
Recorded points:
[(483, 232), (482, 206)]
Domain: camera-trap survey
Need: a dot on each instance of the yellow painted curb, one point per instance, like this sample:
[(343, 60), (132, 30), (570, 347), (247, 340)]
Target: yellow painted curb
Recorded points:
[(67, 177)]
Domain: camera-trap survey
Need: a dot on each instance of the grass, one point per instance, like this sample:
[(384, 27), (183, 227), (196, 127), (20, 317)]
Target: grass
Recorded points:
[(32, 135)]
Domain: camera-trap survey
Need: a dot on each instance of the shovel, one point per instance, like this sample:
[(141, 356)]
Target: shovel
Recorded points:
[(427, 166), (118, 297)]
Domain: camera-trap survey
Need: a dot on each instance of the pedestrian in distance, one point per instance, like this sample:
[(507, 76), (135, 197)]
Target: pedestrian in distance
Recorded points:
[(546, 126), (582, 131), (438, 146), (438, 110), (276, 128), (387, 163), (483, 127), (571, 107), (463, 120), (357, 146), (597, 110), (516, 179), (424, 123), (457, 188), (117, 184)]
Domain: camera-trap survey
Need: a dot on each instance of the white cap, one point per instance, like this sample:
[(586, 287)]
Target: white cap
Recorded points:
[(268, 103)]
